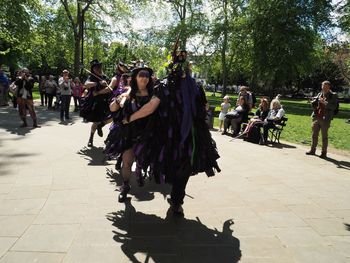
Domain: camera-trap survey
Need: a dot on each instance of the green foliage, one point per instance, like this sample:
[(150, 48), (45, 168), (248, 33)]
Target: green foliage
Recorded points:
[(284, 35)]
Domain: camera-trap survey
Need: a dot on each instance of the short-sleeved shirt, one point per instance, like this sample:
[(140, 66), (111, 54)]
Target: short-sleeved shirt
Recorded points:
[(225, 107)]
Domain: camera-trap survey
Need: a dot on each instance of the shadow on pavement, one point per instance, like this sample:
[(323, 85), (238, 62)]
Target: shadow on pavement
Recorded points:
[(281, 146), (173, 239), (347, 226), (144, 193), (94, 155), (10, 120), (340, 164)]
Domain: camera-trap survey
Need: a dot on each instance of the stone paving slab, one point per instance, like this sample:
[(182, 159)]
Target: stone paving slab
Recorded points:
[(269, 204)]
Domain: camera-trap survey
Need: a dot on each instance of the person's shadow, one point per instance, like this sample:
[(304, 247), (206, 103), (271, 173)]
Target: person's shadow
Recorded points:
[(144, 193), (173, 239), (340, 164), (94, 155)]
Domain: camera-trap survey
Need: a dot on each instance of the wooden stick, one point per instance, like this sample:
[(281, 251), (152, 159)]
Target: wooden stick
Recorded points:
[(121, 104)]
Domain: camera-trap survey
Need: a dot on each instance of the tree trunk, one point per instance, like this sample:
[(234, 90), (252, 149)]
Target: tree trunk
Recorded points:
[(77, 40), (223, 51)]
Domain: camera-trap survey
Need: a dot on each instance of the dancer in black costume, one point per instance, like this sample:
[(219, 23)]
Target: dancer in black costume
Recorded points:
[(95, 105), (127, 136), (176, 142), (112, 144)]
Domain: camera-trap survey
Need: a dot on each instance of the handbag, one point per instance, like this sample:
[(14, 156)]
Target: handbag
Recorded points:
[(13, 89)]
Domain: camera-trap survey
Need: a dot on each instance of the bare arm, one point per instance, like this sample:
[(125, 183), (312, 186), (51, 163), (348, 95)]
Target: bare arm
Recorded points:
[(90, 84), (114, 106), (146, 110)]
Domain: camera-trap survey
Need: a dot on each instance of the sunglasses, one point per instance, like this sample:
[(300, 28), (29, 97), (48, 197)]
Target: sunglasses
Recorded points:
[(143, 74)]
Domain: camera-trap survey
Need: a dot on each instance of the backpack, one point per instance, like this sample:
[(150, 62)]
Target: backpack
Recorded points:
[(253, 135)]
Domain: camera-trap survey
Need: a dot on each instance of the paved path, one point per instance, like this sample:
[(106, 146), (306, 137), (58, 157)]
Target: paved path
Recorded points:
[(269, 204)]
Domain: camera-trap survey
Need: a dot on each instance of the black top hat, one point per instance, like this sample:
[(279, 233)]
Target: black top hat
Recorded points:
[(95, 63)]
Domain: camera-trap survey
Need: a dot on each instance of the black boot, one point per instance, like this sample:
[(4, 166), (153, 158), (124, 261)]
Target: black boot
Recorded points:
[(35, 124), (124, 190), (91, 140), (118, 165), (99, 129), (24, 124)]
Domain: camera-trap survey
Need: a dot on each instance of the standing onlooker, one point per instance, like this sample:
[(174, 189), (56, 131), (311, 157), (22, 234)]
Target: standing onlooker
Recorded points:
[(77, 92), (324, 106), (42, 91), (25, 85), (244, 92), (224, 109), (4, 88), (66, 85), (50, 89)]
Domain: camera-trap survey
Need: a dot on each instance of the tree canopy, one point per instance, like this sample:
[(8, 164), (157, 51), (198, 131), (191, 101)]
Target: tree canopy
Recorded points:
[(266, 44)]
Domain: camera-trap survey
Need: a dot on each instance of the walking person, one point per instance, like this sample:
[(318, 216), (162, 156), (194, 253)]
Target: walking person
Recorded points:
[(325, 105), (24, 96), (66, 86), (95, 106)]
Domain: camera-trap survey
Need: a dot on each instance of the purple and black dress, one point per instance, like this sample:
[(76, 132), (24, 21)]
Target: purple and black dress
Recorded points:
[(124, 136)]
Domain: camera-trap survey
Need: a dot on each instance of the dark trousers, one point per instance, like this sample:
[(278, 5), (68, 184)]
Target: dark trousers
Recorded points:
[(49, 100), (14, 101), (179, 183), (43, 98), (76, 102), (317, 126), (234, 123), (65, 102), (266, 126)]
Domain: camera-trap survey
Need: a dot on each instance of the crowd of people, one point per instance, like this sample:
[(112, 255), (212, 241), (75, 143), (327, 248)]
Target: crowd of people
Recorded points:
[(265, 117), (161, 125), (55, 95)]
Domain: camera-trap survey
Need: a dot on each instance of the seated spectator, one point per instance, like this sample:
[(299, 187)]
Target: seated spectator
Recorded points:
[(260, 115), (274, 117), (252, 131), (234, 117)]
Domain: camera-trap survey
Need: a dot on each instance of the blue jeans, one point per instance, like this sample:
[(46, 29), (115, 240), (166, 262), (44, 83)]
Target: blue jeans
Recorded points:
[(65, 102)]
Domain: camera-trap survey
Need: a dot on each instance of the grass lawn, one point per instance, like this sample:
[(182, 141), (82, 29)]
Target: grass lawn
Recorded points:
[(36, 93), (298, 129)]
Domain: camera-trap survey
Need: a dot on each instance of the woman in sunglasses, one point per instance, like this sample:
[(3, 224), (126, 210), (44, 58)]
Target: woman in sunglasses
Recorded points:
[(140, 94)]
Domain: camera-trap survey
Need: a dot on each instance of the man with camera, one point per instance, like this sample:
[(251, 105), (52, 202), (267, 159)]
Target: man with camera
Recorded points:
[(66, 85), (25, 84), (324, 105)]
